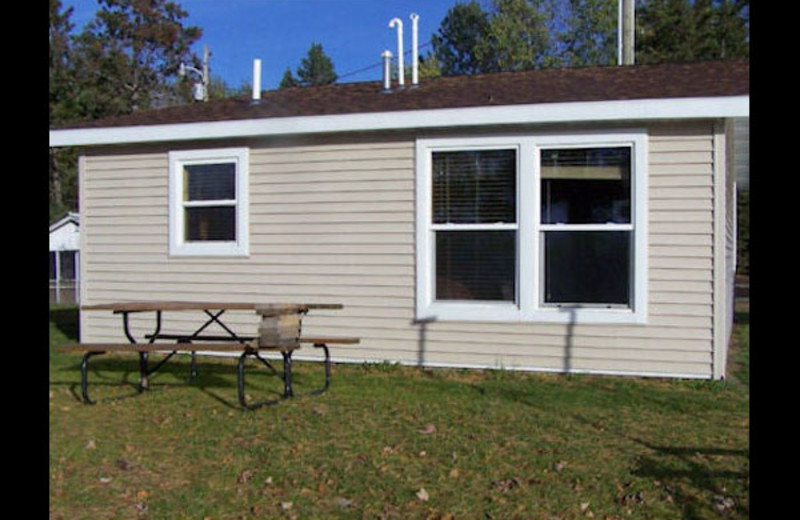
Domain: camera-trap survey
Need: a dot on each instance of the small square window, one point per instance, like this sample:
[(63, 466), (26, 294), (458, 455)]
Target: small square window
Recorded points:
[(208, 202)]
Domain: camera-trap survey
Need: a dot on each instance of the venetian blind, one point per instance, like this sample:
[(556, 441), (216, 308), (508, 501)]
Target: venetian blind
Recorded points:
[(474, 187)]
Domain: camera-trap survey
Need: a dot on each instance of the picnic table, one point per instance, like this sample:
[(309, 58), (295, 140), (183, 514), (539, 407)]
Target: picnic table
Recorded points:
[(280, 330)]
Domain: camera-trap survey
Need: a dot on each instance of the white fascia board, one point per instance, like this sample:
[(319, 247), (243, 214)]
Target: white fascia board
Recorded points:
[(638, 110)]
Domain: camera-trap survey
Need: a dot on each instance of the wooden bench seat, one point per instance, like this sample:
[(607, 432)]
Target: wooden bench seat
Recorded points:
[(247, 349), (214, 346)]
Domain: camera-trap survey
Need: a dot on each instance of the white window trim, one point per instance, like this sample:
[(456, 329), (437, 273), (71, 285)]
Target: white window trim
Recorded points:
[(177, 160), (528, 308)]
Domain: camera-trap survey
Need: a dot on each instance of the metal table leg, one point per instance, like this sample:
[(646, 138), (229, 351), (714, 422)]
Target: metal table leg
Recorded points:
[(324, 347), (85, 376), (241, 380)]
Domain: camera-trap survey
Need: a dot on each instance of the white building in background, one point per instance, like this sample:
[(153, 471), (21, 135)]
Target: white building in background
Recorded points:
[(64, 259)]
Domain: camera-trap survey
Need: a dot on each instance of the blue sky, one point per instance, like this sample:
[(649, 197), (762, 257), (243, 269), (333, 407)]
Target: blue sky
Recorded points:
[(279, 32)]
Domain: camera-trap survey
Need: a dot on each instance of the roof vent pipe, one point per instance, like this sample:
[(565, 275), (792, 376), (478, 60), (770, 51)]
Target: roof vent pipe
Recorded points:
[(414, 49), (400, 71), (387, 70), (256, 81)]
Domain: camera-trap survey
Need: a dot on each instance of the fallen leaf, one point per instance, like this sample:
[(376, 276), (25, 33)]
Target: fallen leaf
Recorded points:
[(343, 502), (105, 480), (428, 430), (91, 445), (723, 503), (630, 498), (423, 495), (245, 476), (286, 505), (559, 466), (507, 485), (454, 473)]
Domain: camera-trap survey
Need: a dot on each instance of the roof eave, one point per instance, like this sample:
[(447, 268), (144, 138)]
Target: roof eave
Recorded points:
[(591, 111)]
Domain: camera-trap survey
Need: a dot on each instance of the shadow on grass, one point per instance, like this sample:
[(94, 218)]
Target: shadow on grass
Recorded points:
[(687, 470), (215, 379), (697, 478)]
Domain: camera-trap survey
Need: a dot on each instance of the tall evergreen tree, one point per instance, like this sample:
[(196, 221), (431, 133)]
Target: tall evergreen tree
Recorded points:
[(288, 80), (460, 33), (127, 57), (61, 87), (63, 171), (124, 59), (691, 30), (316, 68)]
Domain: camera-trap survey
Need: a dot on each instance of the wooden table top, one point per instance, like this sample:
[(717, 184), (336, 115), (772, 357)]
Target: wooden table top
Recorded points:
[(144, 306)]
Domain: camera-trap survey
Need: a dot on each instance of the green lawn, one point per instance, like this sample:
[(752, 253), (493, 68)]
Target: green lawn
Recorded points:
[(390, 442)]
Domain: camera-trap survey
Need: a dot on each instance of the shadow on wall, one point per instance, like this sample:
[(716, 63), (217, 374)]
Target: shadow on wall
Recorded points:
[(66, 320), (569, 339), (422, 338)]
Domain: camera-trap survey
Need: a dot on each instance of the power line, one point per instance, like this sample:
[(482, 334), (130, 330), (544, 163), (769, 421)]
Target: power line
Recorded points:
[(380, 64)]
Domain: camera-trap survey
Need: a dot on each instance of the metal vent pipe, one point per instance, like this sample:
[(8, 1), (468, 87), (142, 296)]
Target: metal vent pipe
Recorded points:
[(414, 49), (387, 70), (401, 80), (256, 81)]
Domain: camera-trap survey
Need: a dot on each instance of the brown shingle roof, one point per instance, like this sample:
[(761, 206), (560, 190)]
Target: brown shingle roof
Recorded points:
[(703, 79)]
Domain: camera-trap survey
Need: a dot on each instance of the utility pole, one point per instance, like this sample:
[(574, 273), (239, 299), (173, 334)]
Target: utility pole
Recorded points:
[(627, 18), (206, 55)]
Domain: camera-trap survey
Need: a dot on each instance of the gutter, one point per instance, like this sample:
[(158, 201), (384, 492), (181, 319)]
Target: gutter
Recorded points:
[(592, 111)]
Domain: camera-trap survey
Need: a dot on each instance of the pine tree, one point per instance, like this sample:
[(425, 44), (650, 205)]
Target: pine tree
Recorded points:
[(288, 80), (684, 30), (127, 57), (63, 172), (316, 68)]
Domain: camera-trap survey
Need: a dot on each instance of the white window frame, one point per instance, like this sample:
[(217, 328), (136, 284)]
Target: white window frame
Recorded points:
[(528, 306), (178, 246)]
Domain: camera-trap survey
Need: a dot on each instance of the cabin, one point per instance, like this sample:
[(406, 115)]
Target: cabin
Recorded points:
[(563, 220), (64, 259)]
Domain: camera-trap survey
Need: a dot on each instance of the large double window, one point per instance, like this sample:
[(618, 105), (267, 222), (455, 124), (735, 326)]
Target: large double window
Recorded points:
[(532, 228), (208, 202)]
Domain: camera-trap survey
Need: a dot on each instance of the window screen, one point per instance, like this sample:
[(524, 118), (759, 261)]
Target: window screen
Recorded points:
[(587, 267), (589, 191), (586, 185), (474, 221), (475, 265), (210, 182), (210, 223), (474, 187)]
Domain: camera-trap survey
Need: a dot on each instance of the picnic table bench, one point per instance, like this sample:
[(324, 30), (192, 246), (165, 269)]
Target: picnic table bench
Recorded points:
[(280, 330)]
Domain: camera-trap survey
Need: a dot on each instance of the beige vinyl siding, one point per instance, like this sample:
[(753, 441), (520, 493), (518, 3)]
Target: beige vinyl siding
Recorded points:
[(332, 219)]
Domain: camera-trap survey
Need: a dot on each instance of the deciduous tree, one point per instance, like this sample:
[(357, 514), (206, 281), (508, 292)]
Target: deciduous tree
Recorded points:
[(590, 32)]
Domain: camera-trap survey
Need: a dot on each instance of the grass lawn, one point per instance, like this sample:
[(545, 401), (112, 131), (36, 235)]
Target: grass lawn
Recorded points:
[(391, 442)]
